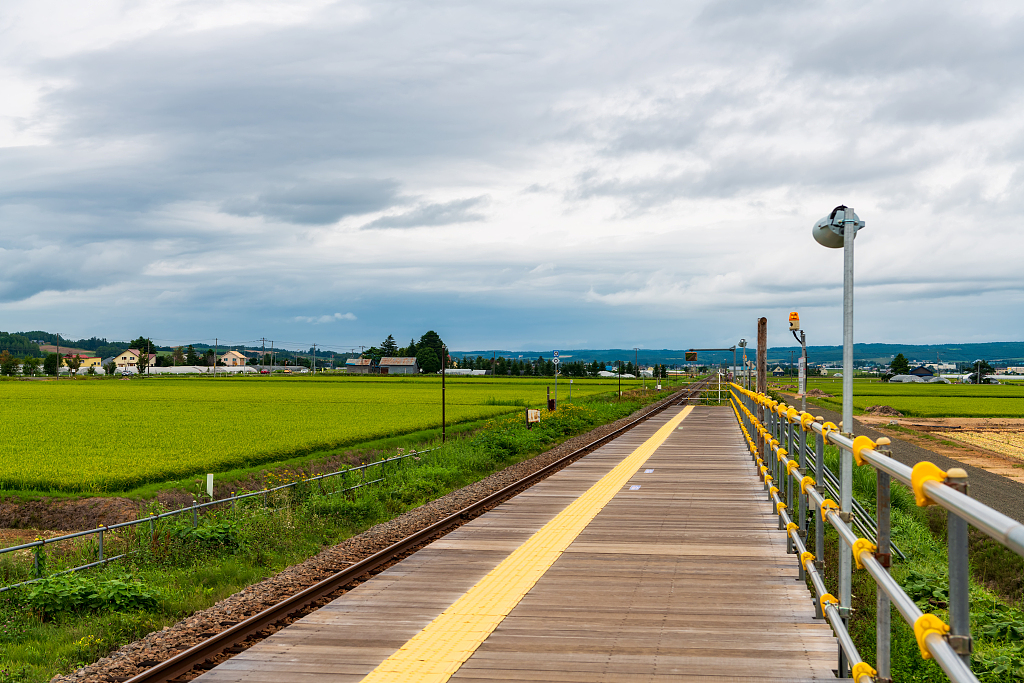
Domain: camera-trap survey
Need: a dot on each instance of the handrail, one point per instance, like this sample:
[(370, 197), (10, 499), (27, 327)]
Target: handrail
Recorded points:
[(194, 508), (930, 485)]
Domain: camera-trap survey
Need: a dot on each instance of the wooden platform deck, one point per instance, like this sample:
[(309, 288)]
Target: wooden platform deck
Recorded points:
[(682, 575)]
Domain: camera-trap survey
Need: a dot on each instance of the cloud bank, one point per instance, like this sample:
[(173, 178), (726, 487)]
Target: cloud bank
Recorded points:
[(562, 174)]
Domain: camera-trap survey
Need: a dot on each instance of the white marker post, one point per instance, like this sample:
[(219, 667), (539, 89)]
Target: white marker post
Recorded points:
[(555, 361)]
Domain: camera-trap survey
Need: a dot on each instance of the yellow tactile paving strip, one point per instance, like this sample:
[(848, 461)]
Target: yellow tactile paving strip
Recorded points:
[(436, 652)]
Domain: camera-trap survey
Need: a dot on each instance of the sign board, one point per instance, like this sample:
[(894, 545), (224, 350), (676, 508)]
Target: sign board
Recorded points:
[(691, 355), (794, 321), (532, 416), (555, 361), (556, 354), (802, 372)]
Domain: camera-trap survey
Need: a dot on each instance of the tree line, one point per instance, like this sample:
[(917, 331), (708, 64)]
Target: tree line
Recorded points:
[(429, 351)]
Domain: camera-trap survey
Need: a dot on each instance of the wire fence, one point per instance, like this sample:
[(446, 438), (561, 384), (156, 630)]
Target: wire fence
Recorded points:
[(329, 484), (792, 489)]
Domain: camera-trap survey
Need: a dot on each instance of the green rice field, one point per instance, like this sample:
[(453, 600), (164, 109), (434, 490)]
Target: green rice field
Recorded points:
[(112, 435), (923, 400)]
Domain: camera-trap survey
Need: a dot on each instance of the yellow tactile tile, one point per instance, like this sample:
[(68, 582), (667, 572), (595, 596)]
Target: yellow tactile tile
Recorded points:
[(437, 652)]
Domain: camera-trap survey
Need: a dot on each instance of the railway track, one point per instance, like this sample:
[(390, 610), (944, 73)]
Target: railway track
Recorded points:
[(240, 636)]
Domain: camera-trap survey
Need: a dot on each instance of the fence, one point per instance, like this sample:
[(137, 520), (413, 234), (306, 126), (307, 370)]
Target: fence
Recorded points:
[(38, 546), (949, 645)]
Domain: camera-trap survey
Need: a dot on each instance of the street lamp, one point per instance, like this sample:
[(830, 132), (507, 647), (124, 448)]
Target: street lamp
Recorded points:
[(836, 230), (743, 345)]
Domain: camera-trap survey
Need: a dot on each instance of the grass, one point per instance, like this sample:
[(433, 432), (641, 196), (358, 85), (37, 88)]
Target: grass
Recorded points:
[(186, 570), (101, 435), (926, 400)]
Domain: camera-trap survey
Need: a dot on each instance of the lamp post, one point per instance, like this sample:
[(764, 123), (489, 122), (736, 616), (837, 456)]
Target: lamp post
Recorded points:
[(743, 345), (836, 230)]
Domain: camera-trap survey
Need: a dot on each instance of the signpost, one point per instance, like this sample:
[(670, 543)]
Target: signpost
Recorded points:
[(794, 327), (555, 361)]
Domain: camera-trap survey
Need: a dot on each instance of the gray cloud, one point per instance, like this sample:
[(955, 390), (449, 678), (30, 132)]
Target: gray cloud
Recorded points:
[(317, 202), (177, 162), (443, 213)]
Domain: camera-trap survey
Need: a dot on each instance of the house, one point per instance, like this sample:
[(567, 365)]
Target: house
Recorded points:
[(399, 366), (233, 358), (359, 366), (90, 362), (922, 371), (778, 371), (130, 359)]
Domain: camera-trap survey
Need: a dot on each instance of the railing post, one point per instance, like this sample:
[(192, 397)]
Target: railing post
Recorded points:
[(845, 552), (101, 543), (959, 573), (819, 523), (195, 515), (802, 522), (883, 625)]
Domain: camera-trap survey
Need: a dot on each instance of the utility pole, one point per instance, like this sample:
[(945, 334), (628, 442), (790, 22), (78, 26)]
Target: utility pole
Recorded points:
[(444, 355), (58, 355), (263, 356), (313, 364), (216, 344)]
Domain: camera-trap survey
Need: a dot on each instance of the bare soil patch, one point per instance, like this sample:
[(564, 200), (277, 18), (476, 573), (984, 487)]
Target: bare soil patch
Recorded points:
[(883, 410)]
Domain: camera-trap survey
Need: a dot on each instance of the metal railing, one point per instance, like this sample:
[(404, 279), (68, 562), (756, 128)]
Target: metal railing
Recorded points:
[(100, 532), (949, 645)]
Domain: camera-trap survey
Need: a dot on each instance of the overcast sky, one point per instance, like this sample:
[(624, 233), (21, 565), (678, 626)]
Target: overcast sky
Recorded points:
[(516, 175)]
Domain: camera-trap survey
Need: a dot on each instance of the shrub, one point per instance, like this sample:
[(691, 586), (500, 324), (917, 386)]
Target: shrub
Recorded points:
[(76, 593)]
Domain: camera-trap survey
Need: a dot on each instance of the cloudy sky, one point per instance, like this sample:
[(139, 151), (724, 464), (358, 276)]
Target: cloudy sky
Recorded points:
[(512, 174)]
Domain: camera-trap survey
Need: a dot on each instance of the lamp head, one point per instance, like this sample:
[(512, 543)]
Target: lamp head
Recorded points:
[(743, 343), (828, 232)]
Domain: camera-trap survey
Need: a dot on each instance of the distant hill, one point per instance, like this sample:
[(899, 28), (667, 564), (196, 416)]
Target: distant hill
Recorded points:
[(1012, 352)]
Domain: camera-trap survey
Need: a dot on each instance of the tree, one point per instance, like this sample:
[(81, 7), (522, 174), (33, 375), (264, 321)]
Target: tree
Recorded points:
[(899, 365), (143, 360), (143, 344), (29, 366), (73, 363), (388, 347), (8, 364), (985, 369), (110, 368), (428, 360), (51, 364), (210, 357), (432, 340), (191, 357), (179, 355), (411, 349)]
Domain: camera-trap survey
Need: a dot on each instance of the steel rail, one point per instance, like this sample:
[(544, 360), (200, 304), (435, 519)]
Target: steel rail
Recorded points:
[(189, 659)]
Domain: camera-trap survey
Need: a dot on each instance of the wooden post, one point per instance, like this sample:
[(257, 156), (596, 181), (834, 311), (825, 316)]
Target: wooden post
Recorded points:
[(762, 355)]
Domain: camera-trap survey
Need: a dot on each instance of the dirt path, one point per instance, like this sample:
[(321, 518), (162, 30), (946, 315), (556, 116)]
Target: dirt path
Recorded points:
[(992, 478)]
